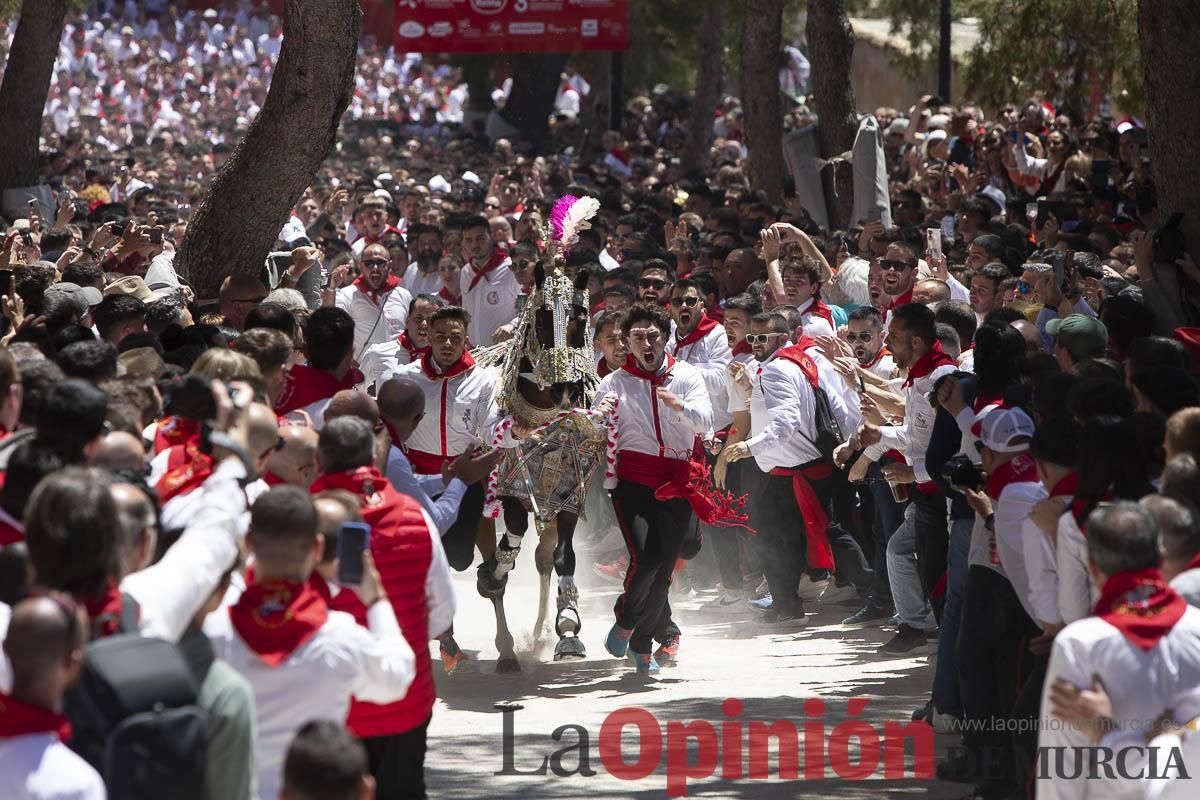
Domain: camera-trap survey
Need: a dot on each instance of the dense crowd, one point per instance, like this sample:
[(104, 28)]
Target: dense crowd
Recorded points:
[(972, 417)]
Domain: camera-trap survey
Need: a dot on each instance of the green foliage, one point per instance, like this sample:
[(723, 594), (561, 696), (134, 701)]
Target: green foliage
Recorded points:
[(1060, 49)]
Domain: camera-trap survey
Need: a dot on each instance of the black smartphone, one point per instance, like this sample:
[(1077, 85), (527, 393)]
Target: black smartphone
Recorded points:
[(27, 237), (789, 186), (353, 540), (118, 228), (156, 235)]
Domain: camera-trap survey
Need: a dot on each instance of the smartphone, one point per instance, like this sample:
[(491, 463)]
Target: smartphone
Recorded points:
[(353, 540), (1031, 213), (875, 214), (1014, 135), (933, 237), (6, 276), (27, 237), (789, 186), (118, 229), (34, 206), (948, 226), (1068, 285), (156, 235)]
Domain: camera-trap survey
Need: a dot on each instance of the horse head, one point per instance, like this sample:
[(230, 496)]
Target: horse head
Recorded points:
[(558, 348)]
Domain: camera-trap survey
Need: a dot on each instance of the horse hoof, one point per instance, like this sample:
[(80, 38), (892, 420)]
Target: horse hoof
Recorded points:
[(507, 665), (569, 647), (486, 583)]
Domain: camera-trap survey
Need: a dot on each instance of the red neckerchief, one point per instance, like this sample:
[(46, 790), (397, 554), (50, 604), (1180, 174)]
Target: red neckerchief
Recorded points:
[(1052, 178), (496, 259), (902, 299), (1020, 469), (391, 282), (273, 480), (195, 470), (1140, 605), (405, 341), (452, 299), (928, 363), (633, 368), (620, 155), (23, 719), (464, 363), (11, 533), (305, 385), (1066, 486), (104, 611), (742, 348), (171, 431), (818, 308), (985, 399), (376, 495), (883, 352), (276, 617), (603, 369), (795, 354), (703, 327)]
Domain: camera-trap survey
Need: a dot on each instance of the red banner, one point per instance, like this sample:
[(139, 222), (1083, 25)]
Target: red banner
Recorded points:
[(510, 26)]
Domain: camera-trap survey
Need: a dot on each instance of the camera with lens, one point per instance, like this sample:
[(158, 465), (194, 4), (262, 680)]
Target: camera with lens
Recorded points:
[(960, 471)]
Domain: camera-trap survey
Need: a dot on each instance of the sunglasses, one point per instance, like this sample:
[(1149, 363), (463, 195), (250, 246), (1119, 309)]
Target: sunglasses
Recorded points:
[(375, 262), (492, 205), (858, 337), (762, 338), (893, 265), (649, 283), (685, 301)]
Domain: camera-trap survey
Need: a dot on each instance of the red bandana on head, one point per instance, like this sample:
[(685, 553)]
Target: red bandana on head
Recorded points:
[(496, 259), (429, 367), (928, 363), (391, 282), (276, 617), (633, 368), (702, 329), (1141, 605), (305, 385), (23, 719)]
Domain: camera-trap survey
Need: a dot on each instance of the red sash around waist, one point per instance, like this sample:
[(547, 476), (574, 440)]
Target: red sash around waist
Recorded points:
[(816, 522), (672, 477)]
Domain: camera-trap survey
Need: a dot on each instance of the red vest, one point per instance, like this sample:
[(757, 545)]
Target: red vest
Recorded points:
[(403, 550)]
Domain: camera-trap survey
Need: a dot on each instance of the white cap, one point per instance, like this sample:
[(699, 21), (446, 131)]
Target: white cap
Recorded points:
[(439, 184), (1000, 428), (470, 177)]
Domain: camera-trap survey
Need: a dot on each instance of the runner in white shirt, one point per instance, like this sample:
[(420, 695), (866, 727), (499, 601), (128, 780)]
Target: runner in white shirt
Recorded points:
[(700, 341), (375, 300), (386, 358), (303, 660), (488, 287), (864, 334), (425, 245)]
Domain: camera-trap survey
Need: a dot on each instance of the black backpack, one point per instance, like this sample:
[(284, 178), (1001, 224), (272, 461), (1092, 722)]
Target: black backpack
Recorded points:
[(134, 716), (828, 434)]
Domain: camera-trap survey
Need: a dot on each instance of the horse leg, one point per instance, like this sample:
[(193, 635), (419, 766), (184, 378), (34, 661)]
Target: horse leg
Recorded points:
[(543, 558), (568, 623), (506, 662)]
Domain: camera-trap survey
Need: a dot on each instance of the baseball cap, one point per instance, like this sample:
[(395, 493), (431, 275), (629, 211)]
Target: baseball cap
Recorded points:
[(134, 286), (1000, 428), (82, 297), (1081, 335)]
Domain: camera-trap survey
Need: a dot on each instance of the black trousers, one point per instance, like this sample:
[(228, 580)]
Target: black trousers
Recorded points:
[(742, 477), (654, 532), (398, 763), (991, 631), (933, 542), (459, 539)]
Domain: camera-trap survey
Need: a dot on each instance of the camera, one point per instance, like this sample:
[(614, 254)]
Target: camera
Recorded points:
[(960, 471)]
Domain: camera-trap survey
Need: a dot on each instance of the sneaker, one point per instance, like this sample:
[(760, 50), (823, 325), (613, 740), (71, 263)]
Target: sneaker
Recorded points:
[(813, 586), (763, 603), (761, 590), (644, 663), (867, 615), (614, 571), (893, 621), (667, 654), (906, 640), (726, 601), (785, 618), (835, 593), (924, 713), (617, 641), (452, 660)]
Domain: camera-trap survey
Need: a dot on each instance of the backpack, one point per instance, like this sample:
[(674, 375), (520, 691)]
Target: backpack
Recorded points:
[(828, 434), (134, 716)]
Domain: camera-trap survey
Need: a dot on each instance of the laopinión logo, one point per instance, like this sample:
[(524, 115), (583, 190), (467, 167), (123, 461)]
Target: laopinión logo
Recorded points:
[(733, 748)]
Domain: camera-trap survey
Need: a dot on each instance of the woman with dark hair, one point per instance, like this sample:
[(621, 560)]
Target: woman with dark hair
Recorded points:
[(1114, 463)]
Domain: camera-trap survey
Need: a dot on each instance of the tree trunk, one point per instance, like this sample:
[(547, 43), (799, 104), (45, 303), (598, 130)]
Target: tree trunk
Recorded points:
[(26, 84), (831, 45), (249, 200), (761, 102), (710, 47), (536, 78), (1169, 34)]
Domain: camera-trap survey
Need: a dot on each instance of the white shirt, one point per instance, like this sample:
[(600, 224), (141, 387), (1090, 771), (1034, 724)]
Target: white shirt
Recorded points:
[(782, 409), (422, 488), (417, 282), (385, 358), (711, 355), (318, 679), (883, 366), (646, 425), (1140, 684), (1076, 595), (911, 437), (374, 323), (492, 303), (1025, 551), (458, 411), (38, 766), (170, 592)]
